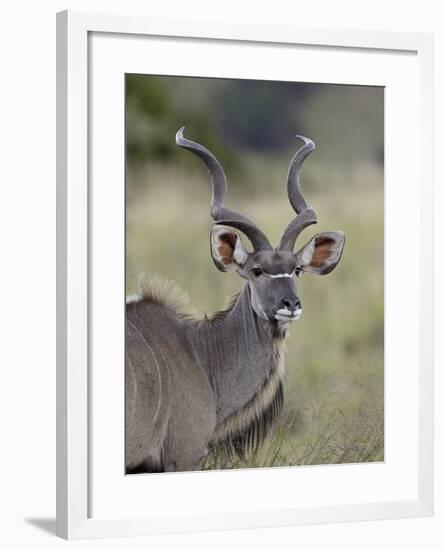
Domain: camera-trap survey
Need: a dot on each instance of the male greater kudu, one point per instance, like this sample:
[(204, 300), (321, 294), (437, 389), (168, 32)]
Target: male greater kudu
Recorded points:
[(194, 383)]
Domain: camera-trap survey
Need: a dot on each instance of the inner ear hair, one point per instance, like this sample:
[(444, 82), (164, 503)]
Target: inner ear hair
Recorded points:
[(228, 252), (322, 253), (227, 242), (322, 250)]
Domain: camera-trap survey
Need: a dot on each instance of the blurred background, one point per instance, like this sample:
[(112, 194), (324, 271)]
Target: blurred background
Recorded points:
[(334, 387)]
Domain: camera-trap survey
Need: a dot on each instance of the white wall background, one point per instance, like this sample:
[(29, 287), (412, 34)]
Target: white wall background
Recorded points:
[(27, 271)]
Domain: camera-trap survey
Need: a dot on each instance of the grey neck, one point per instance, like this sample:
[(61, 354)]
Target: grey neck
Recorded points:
[(236, 349)]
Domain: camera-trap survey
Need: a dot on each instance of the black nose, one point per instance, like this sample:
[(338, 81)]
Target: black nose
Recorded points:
[(291, 303)]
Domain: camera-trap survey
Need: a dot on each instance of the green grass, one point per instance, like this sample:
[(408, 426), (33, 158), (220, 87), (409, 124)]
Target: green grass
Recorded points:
[(334, 386)]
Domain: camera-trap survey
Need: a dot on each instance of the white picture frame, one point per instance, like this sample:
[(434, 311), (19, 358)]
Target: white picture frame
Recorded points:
[(80, 512)]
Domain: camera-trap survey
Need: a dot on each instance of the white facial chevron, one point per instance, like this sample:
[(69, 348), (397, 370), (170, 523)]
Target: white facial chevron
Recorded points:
[(279, 275)]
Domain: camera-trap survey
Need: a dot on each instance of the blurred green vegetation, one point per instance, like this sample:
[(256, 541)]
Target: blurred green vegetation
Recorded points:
[(334, 390)]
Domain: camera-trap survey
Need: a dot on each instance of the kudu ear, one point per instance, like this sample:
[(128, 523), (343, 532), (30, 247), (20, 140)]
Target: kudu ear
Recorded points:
[(322, 253), (228, 251)]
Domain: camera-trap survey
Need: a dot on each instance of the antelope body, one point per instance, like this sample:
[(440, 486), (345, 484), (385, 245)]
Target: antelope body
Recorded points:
[(218, 381)]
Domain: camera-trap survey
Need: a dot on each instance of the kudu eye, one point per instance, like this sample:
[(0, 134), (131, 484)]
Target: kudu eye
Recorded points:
[(257, 271), (298, 271)]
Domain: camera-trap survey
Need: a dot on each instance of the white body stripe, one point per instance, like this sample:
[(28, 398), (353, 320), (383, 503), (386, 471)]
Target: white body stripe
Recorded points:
[(133, 298)]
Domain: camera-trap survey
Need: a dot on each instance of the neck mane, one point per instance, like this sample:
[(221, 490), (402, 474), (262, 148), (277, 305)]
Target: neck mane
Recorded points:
[(243, 356)]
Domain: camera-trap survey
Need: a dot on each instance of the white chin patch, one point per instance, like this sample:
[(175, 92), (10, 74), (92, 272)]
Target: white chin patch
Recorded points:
[(286, 316)]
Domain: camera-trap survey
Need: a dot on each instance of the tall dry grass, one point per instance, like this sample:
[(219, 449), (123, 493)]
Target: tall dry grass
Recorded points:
[(334, 386)]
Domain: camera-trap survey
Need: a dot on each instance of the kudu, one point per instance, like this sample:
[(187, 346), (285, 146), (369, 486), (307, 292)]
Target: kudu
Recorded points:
[(192, 384)]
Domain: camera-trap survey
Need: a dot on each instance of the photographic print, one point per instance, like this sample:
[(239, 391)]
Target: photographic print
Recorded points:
[(254, 274)]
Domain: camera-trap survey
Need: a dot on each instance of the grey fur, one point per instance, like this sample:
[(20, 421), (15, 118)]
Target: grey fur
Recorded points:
[(193, 384)]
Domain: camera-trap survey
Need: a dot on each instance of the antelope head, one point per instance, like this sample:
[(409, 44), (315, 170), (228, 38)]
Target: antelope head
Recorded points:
[(272, 273)]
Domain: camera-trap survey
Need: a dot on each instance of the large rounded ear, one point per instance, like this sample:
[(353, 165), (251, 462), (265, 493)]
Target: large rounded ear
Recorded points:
[(322, 253), (227, 250)]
